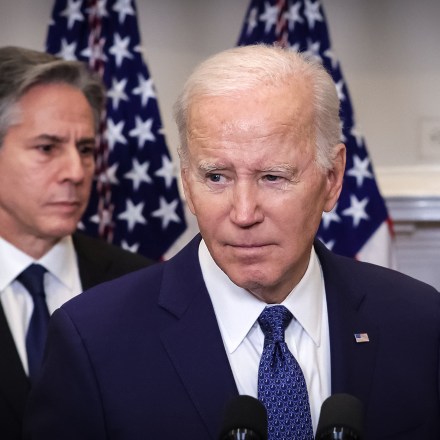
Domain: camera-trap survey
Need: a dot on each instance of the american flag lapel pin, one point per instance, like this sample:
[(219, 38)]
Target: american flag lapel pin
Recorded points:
[(361, 337)]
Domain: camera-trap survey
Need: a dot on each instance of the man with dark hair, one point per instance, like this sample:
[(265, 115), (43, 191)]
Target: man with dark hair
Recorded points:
[(49, 114)]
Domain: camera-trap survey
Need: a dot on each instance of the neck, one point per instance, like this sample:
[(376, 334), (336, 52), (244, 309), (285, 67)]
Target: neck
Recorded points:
[(33, 246)]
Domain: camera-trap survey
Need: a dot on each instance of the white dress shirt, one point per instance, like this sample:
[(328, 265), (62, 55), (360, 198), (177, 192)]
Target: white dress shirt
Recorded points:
[(61, 283), (307, 335)]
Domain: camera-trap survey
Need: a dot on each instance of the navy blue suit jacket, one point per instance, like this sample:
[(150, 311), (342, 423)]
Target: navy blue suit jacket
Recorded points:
[(142, 357)]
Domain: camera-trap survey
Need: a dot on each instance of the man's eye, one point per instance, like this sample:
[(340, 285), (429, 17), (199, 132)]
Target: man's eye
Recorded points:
[(214, 177), (87, 150), (45, 148), (272, 178)]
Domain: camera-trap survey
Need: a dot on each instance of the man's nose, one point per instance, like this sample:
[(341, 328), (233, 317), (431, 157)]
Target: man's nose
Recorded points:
[(246, 209), (72, 165)]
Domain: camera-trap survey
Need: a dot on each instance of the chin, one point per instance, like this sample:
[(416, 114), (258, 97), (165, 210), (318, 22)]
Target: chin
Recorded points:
[(251, 282), (62, 229)]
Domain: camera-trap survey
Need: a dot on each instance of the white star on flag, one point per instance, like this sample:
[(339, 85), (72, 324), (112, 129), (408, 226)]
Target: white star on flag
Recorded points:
[(114, 133), (133, 248), (73, 12), (252, 20), (99, 9), (123, 8), (106, 219), (117, 93), (294, 47), (120, 49), (67, 50), (167, 171), (311, 11), (143, 131), (360, 170), (332, 57), (330, 244), (331, 216), (292, 16), (339, 89), (270, 16), (356, 210), (138, 174), (109, 176), (133, 214), (358, 136), (313, 49), (167, 211), (145, 89), (96, 52), (343, 138)]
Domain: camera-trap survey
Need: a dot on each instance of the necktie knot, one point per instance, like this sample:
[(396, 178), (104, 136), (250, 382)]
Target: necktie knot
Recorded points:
[(273, 322), (33, 279)]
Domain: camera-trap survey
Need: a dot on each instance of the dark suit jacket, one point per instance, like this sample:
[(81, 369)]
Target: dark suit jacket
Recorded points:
[(98, 262), (142, 357)]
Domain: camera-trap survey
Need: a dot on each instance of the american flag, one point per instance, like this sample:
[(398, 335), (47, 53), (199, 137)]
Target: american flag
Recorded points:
[(361, 337), (135, 200), (359, 225)]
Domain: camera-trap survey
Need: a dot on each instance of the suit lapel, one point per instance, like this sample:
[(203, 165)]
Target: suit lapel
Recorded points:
[(14, 384), (194, 342), (92, 265), (352, 362)]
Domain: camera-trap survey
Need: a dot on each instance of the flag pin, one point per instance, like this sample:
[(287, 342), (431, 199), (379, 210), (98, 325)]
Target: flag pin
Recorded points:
[(361, 337)]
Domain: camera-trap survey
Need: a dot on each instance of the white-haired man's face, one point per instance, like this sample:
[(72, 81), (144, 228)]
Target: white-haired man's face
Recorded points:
[(253, 183)]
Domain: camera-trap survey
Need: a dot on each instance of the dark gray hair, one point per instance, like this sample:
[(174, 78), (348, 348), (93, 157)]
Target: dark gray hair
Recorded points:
[(248, 67), (21, 69)]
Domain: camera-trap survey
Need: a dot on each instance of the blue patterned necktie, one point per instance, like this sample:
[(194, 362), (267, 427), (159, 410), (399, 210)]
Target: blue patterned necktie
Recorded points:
[(32, 279), (281, 384)]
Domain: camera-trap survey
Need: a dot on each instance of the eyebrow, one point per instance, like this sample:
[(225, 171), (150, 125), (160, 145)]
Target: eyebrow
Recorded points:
[(210, 166), (280, 168), (60, 139)]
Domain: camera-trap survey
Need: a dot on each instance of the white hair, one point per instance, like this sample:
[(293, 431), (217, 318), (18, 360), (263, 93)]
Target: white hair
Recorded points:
[(249, 67)]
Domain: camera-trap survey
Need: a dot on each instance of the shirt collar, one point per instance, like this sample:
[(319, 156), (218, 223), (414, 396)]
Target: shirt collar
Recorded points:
[(13, 261), (60, 260), (305, 302), (57, 261), (237, 310)]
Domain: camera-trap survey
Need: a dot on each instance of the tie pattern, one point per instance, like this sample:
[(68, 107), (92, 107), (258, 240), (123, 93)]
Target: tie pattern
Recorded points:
[(281, 384), (32, 279)]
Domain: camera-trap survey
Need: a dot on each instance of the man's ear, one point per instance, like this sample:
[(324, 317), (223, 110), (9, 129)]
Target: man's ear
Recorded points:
[(335, 178)]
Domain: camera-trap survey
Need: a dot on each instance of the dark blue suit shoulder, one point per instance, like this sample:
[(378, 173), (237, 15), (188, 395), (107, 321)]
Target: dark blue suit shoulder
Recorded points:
[(141, 285)]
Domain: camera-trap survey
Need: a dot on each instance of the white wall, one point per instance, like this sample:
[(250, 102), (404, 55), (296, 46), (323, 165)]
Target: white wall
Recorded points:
[(389, 51)]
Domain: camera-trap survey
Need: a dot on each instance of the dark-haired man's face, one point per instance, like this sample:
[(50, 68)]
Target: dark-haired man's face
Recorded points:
[(46, 167)]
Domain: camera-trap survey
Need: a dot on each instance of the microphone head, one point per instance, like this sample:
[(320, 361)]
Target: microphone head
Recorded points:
[(341, 412), (245, 413)]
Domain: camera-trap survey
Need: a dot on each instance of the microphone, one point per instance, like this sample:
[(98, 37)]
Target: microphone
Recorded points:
[(341, 418), (245, 418)]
